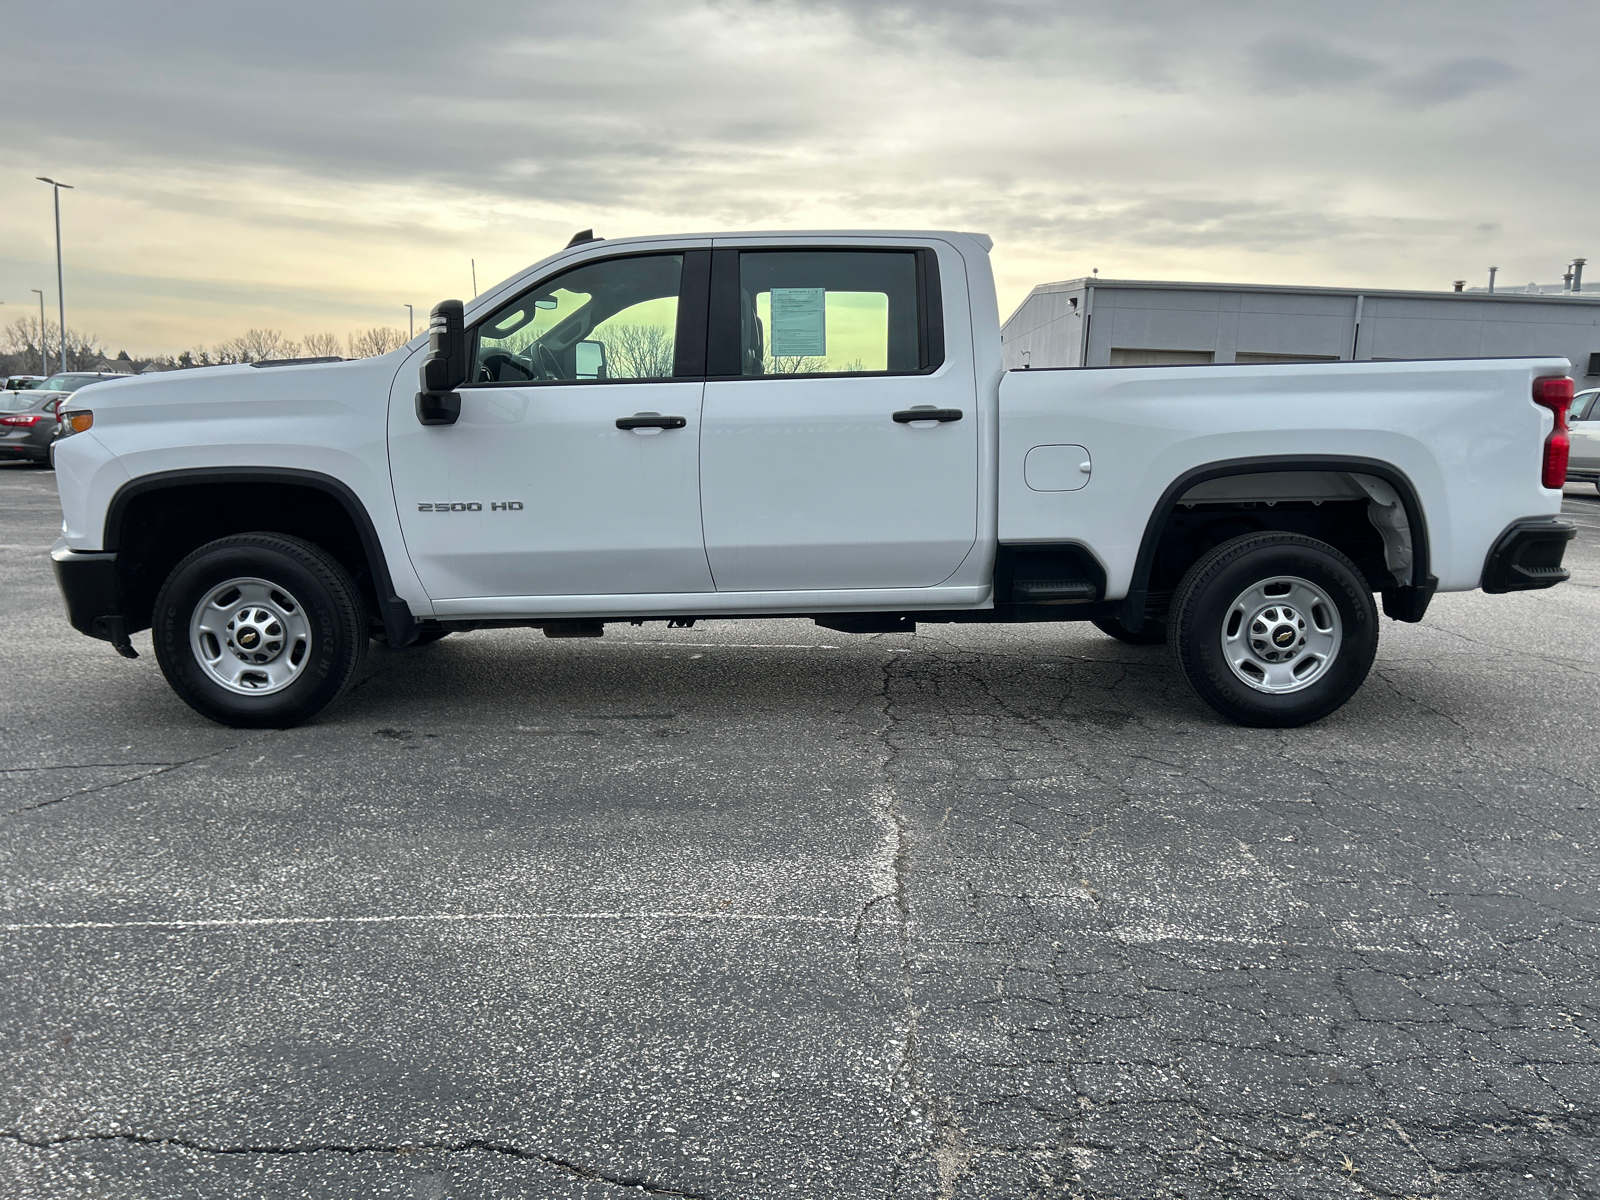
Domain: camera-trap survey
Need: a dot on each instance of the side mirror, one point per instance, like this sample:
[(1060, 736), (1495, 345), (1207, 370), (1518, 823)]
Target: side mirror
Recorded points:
[(445, 368), (589, 360)]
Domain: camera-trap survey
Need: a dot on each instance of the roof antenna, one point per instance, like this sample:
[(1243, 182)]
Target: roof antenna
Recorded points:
[(585, 235)]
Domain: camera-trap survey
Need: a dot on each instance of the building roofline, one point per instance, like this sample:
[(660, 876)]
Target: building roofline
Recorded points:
[(1078, 285)]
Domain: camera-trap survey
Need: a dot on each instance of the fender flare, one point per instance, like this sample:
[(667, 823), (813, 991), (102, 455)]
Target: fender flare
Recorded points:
[(1408, 602), (399, 625)]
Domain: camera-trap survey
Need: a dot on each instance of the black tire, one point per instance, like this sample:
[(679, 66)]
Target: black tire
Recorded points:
[(1204, 606), (322, 592), (1152, 633)]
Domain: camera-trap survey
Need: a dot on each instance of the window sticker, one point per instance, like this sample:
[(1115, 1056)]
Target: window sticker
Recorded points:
[(799, 322)]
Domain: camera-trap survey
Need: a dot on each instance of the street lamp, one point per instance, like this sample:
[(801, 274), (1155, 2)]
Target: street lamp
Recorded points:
[(411, 322), (55, 191), (44, 355)]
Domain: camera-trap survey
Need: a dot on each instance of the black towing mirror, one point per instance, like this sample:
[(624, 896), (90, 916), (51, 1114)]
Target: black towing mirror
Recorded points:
[(445, 368)]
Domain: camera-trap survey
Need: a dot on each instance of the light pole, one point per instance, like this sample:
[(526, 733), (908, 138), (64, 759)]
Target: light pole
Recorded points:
[(44, 355), (411, 322), (55, 191)]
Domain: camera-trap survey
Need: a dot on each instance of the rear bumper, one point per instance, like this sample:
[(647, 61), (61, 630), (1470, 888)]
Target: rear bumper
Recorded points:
[(88, 583), (1527, 556)]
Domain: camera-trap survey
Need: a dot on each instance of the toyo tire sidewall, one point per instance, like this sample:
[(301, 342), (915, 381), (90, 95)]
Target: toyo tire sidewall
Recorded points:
[(1203, 599), (322, 587)]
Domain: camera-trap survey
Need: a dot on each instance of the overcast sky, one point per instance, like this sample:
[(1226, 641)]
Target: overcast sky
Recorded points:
[(314, 166)]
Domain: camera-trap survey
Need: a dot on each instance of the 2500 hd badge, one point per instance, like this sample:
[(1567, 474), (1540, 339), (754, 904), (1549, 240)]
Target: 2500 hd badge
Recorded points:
[(472, 506)]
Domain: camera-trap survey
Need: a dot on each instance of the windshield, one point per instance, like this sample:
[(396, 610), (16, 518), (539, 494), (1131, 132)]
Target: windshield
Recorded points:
[(17, 401), (68, 383)]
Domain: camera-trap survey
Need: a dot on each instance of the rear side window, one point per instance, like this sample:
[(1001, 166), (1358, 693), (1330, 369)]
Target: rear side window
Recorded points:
[(1581, 404), (825, 312)]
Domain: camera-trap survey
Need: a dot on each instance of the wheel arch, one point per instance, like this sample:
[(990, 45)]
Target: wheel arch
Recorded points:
[(135, 515), (1406, 602)]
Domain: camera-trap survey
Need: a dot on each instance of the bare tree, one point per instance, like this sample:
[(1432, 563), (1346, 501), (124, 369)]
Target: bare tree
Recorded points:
[(322, 345), (780, 364), (259, 344), (368, 343), (638, 351), (23, 338), (230, 351)]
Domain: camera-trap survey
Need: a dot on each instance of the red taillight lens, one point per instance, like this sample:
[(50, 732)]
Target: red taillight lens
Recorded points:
[(1555, 393), (25, 419)]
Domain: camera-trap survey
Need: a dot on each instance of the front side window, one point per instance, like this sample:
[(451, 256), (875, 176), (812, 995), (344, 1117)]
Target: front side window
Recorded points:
[(608, 320), (815, 312), (1581, 404)]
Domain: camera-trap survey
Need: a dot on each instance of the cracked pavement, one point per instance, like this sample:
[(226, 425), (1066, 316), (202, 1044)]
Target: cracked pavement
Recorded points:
[(757, 909)]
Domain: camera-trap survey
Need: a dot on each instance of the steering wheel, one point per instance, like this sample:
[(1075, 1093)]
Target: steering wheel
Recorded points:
[(544, 358), (492, 363)]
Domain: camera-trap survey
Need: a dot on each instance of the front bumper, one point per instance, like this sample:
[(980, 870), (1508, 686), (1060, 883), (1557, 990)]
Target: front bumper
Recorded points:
[(1527, 556), (88, 583)]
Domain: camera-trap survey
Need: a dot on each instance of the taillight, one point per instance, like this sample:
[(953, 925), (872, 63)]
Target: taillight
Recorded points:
[(1555, 393), (24, 419)]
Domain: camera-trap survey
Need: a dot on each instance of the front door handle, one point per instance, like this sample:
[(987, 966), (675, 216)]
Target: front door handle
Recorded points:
[(927, 413), (650, 420)]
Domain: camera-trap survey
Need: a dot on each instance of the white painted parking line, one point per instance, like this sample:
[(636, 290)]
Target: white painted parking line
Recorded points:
[(424, 918)]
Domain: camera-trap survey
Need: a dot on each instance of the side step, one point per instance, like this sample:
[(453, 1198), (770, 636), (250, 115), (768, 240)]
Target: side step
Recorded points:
[(1038, 591)]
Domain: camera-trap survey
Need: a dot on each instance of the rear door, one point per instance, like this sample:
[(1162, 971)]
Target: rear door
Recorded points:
[(816, 471)]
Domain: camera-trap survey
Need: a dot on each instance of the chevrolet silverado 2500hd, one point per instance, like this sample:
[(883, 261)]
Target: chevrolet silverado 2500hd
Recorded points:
[(810, 425)]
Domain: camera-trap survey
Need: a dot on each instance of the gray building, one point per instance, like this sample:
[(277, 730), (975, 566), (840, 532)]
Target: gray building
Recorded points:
[(1136, 322)]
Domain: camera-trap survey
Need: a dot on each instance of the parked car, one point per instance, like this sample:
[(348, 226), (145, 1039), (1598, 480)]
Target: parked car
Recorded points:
[(28, 425), (1584, 466), (24, 383), (801, 425), (71, 381)]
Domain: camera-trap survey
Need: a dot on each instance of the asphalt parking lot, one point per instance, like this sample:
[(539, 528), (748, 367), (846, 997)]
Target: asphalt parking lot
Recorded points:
[(760, 910)]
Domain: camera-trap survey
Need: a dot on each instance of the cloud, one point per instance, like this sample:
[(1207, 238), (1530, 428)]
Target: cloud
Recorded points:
[(1454, 80), (1283, 64), (363, 152)]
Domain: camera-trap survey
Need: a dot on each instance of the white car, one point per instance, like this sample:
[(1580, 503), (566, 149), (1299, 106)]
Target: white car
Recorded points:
[(793, 424), (1584, 466)]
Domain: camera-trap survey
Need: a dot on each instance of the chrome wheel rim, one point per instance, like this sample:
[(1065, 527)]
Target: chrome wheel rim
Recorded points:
[(1281, 635), (251, 636)]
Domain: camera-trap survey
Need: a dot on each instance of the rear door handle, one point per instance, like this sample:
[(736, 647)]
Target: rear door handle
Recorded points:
[(650, 420), (907, 415)]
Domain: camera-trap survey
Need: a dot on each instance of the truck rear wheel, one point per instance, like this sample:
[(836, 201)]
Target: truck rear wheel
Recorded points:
[(259, 630), (1274, 629)]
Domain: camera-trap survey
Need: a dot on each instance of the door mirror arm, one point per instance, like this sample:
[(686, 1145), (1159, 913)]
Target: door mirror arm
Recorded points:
[(445, 367)]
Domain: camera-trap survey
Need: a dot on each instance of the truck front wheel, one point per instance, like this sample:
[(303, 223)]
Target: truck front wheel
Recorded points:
[(259, 630), (1274, 629)]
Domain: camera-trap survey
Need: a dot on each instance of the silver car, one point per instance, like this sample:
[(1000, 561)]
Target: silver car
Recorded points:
[(1583, 419), (29, 425)]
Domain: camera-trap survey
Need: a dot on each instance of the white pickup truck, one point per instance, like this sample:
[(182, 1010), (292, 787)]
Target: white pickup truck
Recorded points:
[(794, 424)]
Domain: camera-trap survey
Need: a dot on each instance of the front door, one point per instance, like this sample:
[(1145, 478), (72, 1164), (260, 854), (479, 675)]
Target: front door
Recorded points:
[(815, 470), (538, 490)]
